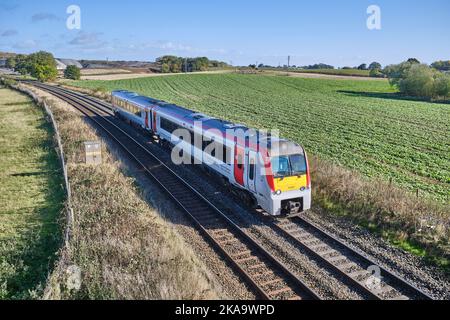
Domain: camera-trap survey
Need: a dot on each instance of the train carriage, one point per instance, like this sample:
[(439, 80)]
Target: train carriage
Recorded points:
[(271, 172)]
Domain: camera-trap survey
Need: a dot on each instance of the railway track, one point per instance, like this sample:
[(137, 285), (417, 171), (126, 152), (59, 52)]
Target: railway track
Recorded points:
[(352, 267), (269, 277)]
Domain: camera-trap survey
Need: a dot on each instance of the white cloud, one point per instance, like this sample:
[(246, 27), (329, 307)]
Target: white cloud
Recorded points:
[(168, 45), (44, 16), (26, 44), (8, 6), (9, 33), (88, 40)]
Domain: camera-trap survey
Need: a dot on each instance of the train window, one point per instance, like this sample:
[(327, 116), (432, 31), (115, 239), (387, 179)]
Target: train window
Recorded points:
[(168, 125), (137, 111), (240, 160), (205, 143), (226, 154), (251, 174), (198, 140)]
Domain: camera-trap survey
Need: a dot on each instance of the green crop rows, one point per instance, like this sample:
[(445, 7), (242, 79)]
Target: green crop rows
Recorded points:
[(360, 124)]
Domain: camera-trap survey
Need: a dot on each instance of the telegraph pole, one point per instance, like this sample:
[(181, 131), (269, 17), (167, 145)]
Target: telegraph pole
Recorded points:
[(289, 61)]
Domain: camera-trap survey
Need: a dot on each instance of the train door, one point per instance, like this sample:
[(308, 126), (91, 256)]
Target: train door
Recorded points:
[(154, 127), (239, 161), (251, 171), (147, 125)]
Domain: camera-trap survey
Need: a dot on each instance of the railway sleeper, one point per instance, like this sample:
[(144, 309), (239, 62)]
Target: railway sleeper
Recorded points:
[(264, 274), (277, 292), (347, 266), (325, 253), (335, 259), (242, 260), (270, 282), (242, 253), (358, 273)]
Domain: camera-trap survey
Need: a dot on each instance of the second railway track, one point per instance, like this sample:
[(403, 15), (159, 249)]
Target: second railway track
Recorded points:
[(352, 266), (262, 271)]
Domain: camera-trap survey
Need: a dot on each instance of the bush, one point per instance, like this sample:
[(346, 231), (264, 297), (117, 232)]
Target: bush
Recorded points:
[(40, 65), (418, 80), (8, 82), (376, 73), (11, 63), (165, 68), (442, 85), (72, 72), (375, 66), (441, 65), (362, 67), (44, 73)]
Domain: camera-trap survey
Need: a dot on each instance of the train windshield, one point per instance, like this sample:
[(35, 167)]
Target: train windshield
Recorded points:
[(290, 165)]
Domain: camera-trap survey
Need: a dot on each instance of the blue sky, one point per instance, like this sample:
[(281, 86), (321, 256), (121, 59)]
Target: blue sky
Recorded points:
[(243, 32)]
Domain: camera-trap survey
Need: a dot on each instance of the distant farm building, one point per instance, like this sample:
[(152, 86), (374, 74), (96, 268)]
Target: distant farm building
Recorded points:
[(62, 64)]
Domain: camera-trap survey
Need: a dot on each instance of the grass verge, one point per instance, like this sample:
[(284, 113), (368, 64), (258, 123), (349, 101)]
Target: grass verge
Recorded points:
[(413, 224), (121, 248), (31, 197)]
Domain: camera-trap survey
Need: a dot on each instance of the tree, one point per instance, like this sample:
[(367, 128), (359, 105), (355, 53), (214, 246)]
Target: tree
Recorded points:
[(319, 66), (175, 67), (442, 85), (375, 65), (40, 65), (396, 72), (362, 67), (376, 73), (44, 72), (178, 64), (11, 63), (418, 81), (413, 61), (22, 64), (165, 68), (441, 65), (72, 72)]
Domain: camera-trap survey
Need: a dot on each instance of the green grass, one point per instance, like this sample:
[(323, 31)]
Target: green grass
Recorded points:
[(31, 197), (363, 125)]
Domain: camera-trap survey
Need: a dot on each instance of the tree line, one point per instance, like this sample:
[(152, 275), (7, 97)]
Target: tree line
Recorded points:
[(420, 80), (174, 64), (40, 65)]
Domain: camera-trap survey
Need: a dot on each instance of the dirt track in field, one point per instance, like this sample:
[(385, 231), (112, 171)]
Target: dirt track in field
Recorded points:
[(125, 76)]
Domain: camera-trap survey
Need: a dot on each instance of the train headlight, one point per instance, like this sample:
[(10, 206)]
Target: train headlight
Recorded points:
[(278, 192), (302, 189)]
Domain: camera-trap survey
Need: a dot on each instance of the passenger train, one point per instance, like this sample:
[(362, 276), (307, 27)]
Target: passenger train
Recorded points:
[(268, 171)]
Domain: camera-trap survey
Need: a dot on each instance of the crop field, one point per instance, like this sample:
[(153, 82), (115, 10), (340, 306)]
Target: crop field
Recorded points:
[(362, 125)]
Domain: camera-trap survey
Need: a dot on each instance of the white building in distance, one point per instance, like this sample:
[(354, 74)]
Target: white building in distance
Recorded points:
[(62, 64)]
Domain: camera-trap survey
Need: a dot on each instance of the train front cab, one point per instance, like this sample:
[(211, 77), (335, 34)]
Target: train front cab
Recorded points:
[(290, 184)]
